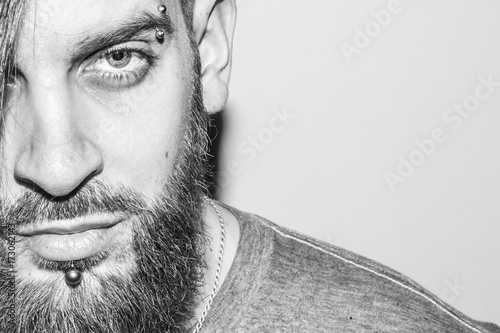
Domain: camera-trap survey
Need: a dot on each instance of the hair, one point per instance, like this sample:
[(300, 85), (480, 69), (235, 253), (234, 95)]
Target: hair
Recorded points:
[(187, 11), (10, 20)]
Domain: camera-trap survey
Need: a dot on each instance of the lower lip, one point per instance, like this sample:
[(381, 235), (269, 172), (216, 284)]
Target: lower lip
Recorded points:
[(74, 246)]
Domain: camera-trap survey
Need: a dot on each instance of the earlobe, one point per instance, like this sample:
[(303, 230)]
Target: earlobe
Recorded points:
[(214, 23)]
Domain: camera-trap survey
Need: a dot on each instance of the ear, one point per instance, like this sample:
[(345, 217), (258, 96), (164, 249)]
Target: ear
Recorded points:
[(213, 24)]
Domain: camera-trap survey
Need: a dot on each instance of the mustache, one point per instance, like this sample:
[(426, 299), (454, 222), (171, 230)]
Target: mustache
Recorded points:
[(93, 198)]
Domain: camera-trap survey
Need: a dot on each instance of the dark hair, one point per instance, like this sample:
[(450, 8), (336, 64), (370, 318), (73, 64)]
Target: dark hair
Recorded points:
[(187, 12), (10, 19)]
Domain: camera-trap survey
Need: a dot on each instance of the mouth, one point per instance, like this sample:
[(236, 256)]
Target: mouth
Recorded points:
[(65, 240)]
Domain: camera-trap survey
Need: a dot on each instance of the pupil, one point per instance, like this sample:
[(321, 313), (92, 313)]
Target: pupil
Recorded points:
[(118, 55)]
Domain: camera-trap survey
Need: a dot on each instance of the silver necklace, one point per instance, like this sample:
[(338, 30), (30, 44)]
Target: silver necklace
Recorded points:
[(217, 272)]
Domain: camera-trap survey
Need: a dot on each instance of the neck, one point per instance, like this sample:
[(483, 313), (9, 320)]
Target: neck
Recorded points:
[(212, 229)]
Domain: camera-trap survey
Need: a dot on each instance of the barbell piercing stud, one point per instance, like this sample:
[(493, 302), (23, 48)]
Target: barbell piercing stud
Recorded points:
[(73, 276)]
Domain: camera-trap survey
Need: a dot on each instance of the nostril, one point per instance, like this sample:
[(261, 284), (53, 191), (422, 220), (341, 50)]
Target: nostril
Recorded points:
[(34, 187), (51, 192), (26, 182), (58, 171)]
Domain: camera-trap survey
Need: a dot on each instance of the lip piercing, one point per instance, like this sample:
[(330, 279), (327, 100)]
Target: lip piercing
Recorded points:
[(73, 276)]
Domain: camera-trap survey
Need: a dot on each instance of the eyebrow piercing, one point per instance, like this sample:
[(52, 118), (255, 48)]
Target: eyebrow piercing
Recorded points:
[(160, 33)]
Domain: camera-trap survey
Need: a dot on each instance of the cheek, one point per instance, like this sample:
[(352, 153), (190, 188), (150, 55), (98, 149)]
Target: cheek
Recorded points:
[(141, 154), (15, 136), (141, 132)]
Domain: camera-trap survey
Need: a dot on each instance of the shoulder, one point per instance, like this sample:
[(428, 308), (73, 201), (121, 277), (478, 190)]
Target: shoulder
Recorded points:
[(316, 286)]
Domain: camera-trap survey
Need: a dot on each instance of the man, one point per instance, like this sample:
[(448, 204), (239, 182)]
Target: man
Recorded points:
[(104, 220)]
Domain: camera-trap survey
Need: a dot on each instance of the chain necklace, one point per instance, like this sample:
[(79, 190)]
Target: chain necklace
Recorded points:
[(218, 271)]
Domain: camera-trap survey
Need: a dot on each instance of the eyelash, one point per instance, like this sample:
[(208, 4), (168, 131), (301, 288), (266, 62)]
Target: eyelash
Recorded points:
[(123, 78)]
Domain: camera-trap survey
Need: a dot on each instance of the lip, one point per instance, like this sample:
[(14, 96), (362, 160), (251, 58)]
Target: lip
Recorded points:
[(67, 227), (65, 240)]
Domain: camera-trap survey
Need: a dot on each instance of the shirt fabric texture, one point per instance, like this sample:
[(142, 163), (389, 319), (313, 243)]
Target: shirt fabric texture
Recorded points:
[(282, 281)]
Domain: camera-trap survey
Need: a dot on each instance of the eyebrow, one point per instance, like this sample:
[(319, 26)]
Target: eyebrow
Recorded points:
[(124, 32)]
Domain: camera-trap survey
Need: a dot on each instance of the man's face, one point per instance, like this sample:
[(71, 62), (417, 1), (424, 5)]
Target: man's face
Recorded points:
[(102, 156)]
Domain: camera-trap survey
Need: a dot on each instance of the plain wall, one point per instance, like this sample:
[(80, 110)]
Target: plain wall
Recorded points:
[(322, 169)]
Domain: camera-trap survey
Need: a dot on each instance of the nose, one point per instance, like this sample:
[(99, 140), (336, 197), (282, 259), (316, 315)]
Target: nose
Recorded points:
[(56, 155)]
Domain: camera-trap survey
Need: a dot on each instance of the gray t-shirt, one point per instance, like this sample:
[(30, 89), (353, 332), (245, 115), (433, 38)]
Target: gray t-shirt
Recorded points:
[(282, 281)]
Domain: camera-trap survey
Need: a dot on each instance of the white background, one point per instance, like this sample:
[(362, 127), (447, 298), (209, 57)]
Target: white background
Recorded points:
[(323, 172)]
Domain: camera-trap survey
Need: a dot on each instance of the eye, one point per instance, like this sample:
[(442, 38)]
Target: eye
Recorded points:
[(12, 75), (119, 59), (12, 89), (119, 67), (10, 80)]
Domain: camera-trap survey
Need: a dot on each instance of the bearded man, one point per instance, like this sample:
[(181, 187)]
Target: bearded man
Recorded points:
[(105, 221)]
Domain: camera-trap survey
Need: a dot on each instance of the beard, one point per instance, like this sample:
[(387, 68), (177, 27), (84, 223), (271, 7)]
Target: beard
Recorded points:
[(159, 293)]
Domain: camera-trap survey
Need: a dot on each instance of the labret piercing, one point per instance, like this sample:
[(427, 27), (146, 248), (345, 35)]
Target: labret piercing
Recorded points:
[(73, 276), (160, 34)]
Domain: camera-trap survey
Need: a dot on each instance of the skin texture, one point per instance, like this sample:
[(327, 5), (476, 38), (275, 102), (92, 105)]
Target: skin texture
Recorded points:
[(116, 115)]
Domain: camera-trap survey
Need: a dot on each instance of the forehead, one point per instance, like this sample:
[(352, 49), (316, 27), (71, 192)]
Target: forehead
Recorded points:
[(77, 15), (62, 23)]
